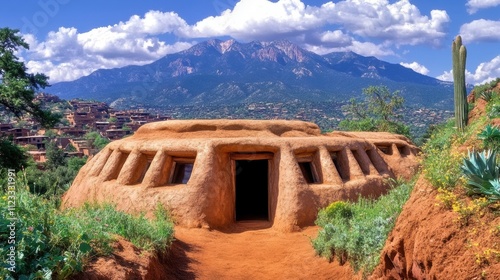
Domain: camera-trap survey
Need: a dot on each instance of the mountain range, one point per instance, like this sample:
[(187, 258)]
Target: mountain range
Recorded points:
[(218, 72)]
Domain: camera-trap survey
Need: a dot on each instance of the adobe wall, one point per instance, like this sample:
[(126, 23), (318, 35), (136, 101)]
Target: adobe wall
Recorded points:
[(119, 173)]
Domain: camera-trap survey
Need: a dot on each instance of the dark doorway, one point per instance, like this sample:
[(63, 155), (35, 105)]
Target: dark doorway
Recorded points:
[(251, 190)]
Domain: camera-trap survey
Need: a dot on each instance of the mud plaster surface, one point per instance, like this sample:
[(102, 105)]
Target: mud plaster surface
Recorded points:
[(135, 173)]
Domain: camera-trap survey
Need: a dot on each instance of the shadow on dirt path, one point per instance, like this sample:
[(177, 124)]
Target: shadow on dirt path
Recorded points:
[(249, 250)]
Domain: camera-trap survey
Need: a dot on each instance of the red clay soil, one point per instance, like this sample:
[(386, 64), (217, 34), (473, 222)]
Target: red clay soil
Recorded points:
[(429, 242), (246, 251)]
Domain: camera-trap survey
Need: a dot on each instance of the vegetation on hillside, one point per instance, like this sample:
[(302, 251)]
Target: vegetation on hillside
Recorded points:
[(474, 192), (54, 244), (463, 166), (447, 147), (356, 231), (485, 90)]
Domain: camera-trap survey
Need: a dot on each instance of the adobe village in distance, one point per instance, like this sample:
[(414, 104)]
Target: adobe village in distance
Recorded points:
[(83, 116)]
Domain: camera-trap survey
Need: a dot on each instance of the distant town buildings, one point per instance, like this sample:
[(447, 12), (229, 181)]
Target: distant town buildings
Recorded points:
[(81, 117)]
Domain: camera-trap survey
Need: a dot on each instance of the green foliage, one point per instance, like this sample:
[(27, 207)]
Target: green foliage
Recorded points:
[(75, 163), (491, 137), (441, 161), (356, 232), (493, 111), (50, 133), (153, 235), (64, 122), (483, 174), (378, 112), (485, 89), (486, 95), (55, 156), (17, 87), (339, 210), (11, 155), (97, 141), (51, 244), (493, 106), (70, 148), (54, 181), (459, 58), (440, 167)]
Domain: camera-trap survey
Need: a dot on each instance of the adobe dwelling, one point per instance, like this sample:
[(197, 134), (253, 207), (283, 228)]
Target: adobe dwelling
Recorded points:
[(211, 173)]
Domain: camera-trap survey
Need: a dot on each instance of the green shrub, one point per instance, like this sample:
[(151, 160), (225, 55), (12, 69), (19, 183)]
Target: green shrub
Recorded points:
[(483, 174), (53, 244), (491, 137), (153, 235), (440, 166), (480, 90), (356, 232), (493, 106), (441, 158), (11, 155), (337, 210)]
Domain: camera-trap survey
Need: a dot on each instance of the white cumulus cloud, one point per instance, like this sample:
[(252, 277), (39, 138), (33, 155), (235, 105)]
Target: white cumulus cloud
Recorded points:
[(481, 30), (258, 20), (485, 72), (417, 67), (66, 54), (348, 25), (369, 27), (400, 22), (475, 5)]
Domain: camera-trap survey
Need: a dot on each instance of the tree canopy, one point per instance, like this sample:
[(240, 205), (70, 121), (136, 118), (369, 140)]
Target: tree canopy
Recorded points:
[(17, 86), (96, 140), (377, 112)]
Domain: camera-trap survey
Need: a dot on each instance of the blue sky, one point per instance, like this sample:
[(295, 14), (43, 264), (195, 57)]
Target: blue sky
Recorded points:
[(71, 38)]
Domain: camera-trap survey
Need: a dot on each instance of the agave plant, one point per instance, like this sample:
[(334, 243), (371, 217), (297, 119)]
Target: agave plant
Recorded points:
[(483, 173), (491, 137), (494, 111), (486, 95)]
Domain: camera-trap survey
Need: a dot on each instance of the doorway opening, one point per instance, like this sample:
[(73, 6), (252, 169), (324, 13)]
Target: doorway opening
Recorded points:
[(251, 182)]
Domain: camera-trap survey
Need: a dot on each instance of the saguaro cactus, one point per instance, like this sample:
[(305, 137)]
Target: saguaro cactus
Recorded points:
[(459, 54)]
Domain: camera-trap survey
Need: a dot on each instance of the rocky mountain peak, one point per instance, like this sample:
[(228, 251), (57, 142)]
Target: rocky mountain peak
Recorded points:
[(291, 50), (226, 72), (281, 51)]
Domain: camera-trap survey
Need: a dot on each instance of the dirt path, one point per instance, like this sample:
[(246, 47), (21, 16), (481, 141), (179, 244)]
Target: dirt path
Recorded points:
[(247, 251)]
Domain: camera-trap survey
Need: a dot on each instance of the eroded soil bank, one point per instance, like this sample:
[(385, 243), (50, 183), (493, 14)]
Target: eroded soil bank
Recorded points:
[(429, 242)]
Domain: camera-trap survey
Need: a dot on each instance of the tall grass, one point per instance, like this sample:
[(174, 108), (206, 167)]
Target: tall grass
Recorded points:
[(53, 244)]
